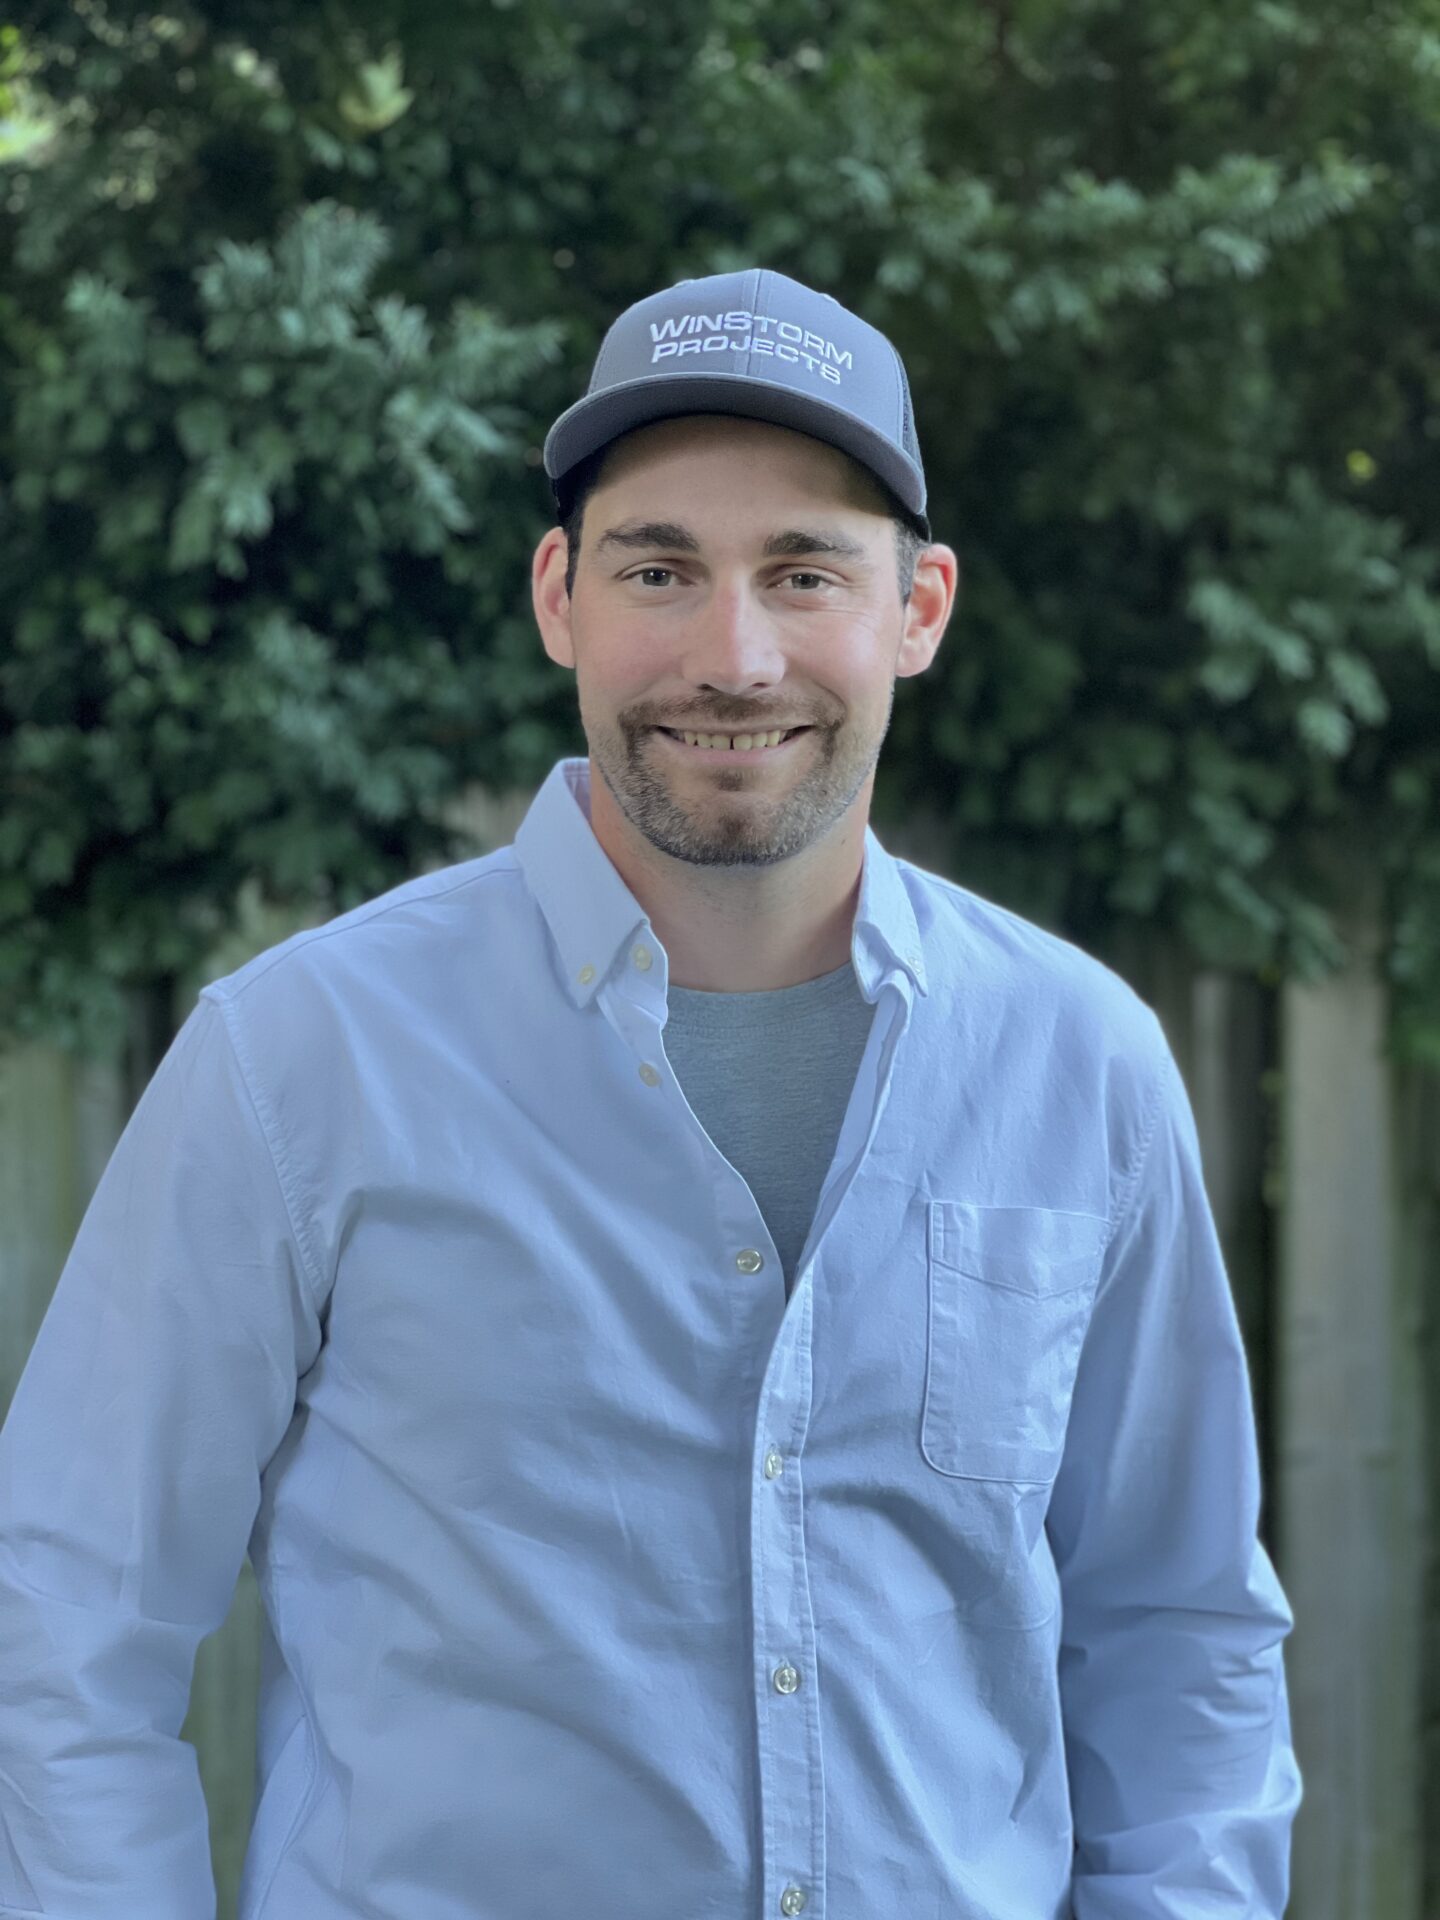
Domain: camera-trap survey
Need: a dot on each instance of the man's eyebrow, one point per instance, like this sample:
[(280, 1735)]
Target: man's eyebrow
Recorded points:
[(815, 540), (649, 533), (669, 534)]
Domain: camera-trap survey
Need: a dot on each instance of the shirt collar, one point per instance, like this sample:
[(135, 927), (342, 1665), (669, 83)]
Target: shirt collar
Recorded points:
[(594, 918)]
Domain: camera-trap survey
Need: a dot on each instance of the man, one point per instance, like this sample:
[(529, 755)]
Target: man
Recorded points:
[(712, 1335)]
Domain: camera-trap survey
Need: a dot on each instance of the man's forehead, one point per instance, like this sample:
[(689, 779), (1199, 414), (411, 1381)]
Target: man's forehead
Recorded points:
[(635, 449), (639, 535)]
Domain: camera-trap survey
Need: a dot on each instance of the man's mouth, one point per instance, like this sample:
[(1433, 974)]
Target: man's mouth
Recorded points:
[(722, 745)]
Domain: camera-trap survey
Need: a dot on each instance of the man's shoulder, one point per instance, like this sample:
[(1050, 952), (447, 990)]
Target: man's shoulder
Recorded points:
[(978, 945), (400, 927)]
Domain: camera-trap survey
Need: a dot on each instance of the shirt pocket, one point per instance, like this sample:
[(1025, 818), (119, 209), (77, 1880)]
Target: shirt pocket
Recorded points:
[(1010, 1296)]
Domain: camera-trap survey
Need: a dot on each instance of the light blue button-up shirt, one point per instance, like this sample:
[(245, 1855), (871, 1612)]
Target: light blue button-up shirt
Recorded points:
[(700, 1454)]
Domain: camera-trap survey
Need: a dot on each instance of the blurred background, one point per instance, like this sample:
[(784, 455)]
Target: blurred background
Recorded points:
[(288, 299)]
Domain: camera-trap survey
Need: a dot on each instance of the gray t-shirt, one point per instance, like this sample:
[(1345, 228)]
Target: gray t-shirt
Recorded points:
[(798, 1047)]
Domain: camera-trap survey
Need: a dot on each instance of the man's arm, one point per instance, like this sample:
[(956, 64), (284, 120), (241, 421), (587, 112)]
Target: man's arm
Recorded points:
[(1183, 1781), (160, 1383)]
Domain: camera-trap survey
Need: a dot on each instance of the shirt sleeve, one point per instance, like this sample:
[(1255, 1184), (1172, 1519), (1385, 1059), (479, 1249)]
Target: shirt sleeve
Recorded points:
[(161, 1382), (1183, 1780)]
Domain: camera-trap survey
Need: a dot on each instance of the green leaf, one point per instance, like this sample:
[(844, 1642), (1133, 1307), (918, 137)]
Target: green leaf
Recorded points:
[(1324, 727)]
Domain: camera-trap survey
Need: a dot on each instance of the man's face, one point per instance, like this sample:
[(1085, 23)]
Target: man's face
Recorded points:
[(729, 638)]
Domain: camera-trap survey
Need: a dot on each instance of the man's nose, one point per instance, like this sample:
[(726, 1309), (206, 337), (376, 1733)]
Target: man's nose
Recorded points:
[(735, 625)]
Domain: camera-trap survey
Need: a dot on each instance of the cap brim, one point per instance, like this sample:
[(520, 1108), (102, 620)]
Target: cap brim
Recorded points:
[(600, 417)]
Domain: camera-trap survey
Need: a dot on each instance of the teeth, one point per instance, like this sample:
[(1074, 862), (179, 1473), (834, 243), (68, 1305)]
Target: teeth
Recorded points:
[(742, 741)]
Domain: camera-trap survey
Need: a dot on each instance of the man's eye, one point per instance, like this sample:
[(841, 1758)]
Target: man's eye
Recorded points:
[(643, 570)]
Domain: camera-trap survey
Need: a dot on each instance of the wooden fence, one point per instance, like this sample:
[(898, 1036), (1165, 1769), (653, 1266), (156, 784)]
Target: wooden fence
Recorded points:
[(1322, 1161)]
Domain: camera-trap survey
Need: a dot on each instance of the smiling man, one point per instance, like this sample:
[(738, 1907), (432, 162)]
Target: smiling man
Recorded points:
[(711, 1335), (773, 606)]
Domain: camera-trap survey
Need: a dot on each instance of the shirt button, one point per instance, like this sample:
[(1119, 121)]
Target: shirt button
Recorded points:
[(586, 975), (792, 1900), (649, 1075), (774, 1463), (749, 1260), (786, 1679), (641, 957)]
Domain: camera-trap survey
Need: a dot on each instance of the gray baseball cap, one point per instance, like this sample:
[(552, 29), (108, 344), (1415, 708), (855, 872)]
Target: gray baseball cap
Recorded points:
[(754, 343)]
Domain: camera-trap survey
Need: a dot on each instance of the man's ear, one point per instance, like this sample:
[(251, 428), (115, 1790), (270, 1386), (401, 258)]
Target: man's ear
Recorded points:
[(928, 610), (549, 598)]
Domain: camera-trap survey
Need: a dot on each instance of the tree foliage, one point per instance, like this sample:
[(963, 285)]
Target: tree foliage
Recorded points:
[(292, 295)]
